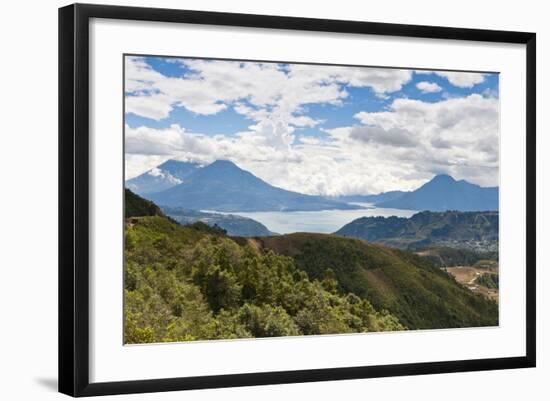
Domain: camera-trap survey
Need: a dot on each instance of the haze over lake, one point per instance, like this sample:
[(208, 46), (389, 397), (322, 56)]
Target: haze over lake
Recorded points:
[(323, 221)]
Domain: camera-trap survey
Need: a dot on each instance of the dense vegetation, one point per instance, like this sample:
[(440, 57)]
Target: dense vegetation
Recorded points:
[(408, 286), (194, 282), (135, 205), (477, 231), (443, 256), (489, 280), (186, 283)]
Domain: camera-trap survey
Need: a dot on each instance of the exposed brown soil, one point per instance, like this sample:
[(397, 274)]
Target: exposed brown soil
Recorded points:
[(466, 275)]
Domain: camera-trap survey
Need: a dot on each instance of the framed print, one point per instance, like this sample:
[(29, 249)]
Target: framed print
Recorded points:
[(249, 199)]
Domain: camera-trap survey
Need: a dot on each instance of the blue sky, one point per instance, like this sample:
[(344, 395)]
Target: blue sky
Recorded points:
[(295, 125)]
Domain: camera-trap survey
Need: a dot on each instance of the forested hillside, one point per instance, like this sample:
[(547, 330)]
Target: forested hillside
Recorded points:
[(134, 205), (194, 282), (182, 283), (410, 287)]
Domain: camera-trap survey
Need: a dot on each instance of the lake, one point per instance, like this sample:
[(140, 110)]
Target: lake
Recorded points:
[(323, 221)]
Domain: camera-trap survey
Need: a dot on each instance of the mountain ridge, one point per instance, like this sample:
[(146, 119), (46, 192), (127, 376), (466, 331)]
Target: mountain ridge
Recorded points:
[(478, 231), (225, 187)]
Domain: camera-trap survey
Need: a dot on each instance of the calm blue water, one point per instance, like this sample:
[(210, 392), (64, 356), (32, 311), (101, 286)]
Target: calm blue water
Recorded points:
[(324, 221)]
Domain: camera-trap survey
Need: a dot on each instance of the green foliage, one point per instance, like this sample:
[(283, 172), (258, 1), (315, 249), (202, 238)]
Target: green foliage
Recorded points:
[(420, 295), (447, 257), (182, 284), (135, 205), (186, 284), (489, 280), (200, 226), (267, 321)]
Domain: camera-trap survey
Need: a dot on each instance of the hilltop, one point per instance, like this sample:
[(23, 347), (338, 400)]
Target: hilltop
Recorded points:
[(135, 205)]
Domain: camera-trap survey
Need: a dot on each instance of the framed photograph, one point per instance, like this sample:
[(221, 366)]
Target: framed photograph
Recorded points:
[(250, 199)]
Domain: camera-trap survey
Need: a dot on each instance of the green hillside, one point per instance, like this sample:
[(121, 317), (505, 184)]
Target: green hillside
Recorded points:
[(476, 231), (443, 256), (194, 282), (187, 283), (135, 205), (408, 286)]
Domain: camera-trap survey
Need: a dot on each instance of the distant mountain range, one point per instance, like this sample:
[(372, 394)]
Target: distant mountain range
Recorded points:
[(162, 177), (478, 231), (223, 186), (233, 225), (441, 193)]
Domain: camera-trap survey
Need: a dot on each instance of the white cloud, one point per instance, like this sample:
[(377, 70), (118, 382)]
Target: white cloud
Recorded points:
[(381, 80), (458, 136), (303, 121), (463, 79), (458, 79), (394, 136), (428, 87), (155, 106), (398, 148), (274, 100), (157, 172)]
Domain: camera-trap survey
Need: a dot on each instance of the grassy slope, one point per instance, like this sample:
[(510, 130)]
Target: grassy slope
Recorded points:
[(419, 294)]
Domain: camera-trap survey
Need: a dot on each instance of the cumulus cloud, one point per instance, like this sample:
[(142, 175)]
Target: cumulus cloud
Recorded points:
[(458, 79), (457, 136), (428, 87), (154, 106), (274, 99), (399, 147), (394, 136), (463, 79)]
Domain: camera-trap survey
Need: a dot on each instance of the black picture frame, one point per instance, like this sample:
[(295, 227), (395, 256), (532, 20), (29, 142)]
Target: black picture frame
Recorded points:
[(74, 201)]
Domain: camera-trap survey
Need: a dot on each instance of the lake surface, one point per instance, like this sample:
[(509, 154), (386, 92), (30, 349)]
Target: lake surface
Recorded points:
[(323, 221)]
